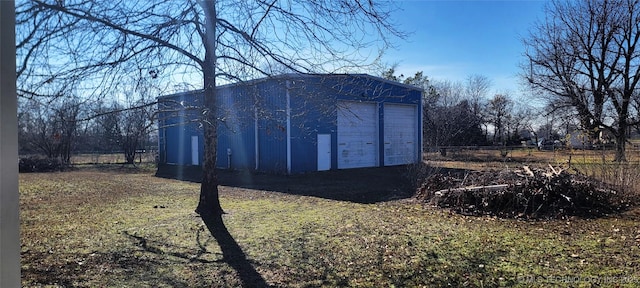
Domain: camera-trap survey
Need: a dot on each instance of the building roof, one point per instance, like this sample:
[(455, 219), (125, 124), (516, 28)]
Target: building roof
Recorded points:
[(288, 76)]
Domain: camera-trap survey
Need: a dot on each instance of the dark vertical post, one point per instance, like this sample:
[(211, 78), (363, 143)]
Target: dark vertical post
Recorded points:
[(9, 205)]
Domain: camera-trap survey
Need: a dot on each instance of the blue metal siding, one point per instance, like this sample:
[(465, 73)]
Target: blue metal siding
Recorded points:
[(176, 148), (312, 112), (178, 127), (272, 126), (364, 88), (313, 104), (179, 144), (236, 129)]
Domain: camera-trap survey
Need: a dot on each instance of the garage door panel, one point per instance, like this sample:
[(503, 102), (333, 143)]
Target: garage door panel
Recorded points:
[(400, 134), (357, 135)]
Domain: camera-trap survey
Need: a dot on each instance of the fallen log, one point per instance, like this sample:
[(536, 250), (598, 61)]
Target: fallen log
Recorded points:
[(488, 188)]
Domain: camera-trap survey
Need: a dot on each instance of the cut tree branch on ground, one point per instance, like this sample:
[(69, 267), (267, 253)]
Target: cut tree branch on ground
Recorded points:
[(525, 193)]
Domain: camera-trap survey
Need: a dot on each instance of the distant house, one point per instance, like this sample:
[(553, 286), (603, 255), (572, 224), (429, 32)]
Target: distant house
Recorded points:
[(296, 123), (578, 139)]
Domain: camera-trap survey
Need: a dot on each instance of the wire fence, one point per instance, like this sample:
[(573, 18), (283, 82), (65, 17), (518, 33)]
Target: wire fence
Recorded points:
[(142, 156), (499, 156)]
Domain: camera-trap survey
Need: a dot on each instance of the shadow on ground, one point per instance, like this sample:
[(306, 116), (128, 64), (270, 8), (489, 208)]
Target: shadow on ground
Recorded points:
[(365, 185), (368, 185)]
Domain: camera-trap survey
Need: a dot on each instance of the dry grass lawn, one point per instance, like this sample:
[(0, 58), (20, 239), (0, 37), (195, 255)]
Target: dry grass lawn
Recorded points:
[(122, 228)]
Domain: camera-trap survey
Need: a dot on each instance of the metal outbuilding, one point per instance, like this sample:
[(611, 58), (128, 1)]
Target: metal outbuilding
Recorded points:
[(296, 123)]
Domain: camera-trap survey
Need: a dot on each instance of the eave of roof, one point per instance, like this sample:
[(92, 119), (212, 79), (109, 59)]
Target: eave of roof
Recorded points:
[(288, 76)]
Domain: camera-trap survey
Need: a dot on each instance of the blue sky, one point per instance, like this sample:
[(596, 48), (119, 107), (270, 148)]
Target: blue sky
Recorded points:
[(450, 40)]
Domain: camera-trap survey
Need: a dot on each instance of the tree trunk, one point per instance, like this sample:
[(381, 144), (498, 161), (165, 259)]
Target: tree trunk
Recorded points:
[(209, 203), (129, 147), (621, 139), (130, 156)]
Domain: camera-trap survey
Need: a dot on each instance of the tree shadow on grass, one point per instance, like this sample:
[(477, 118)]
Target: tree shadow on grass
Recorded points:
[(232, 254), (88, 270), (147, 245)]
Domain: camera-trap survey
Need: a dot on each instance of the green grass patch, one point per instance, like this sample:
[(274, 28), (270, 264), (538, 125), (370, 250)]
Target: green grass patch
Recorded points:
[(117, 229)]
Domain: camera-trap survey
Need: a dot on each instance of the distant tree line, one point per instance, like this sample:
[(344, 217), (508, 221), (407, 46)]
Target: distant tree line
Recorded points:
[(582, 60), (63, 126)]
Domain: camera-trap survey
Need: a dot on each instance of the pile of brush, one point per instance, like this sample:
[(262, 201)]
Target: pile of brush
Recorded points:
[(523, 193)]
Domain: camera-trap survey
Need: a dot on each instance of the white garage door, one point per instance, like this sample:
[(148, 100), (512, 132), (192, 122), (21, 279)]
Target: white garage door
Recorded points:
[(400, 134), (357, 135)]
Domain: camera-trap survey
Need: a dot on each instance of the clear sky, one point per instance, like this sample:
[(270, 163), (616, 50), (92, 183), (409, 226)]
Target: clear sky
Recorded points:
[(452, 39)]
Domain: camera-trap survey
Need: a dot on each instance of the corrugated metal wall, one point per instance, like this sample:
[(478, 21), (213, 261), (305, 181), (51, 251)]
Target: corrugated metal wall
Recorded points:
[(366, 88), (272, 126), (313, 111), (309, 102), (177, 128), (236, 130)]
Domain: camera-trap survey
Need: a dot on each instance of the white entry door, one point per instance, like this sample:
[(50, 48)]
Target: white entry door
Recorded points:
[(194, 151), (324, 152)]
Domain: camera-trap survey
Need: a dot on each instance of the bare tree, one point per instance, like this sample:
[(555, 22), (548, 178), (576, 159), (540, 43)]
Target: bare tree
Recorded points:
[(125, 128), (125, 124), (498, 111), (216, 41), (449, 116), (453, 120), (585, 56), (517, 124), (450, 93), (50, 128), (452, 126), (452, 112), (213, 41), (477, 88)]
